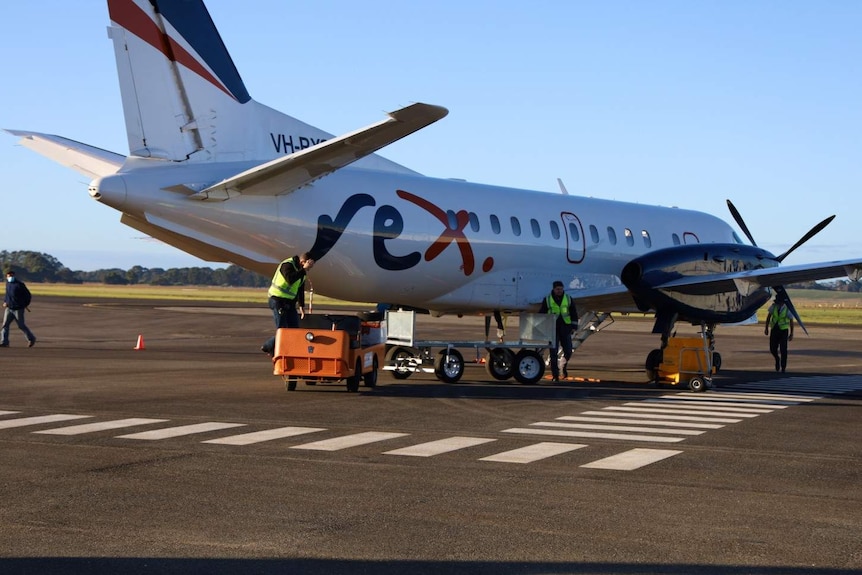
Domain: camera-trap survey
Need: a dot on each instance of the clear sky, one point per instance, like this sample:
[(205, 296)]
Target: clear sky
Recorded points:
[(669, 102)]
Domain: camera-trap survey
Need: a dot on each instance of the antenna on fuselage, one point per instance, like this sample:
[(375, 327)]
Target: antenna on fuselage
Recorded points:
[(563, 187)]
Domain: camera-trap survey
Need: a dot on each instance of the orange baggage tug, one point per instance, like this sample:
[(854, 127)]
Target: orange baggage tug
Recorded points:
[(331, 348)]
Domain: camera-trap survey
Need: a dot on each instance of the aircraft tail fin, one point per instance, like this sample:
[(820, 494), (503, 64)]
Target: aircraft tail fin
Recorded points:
[(184, 99)]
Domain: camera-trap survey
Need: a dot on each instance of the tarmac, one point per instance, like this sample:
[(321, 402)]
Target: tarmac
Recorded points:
[(189, 456)]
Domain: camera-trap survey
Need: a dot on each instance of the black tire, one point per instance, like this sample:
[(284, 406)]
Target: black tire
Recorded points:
[(697, 384), (353, 382), (529, 366), (399, 356), (653, 360), (449, 366), (500, 363), (370, 379), (290, 383), (716, 361)]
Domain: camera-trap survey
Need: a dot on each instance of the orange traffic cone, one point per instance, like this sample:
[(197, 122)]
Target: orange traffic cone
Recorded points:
[(140, 344)]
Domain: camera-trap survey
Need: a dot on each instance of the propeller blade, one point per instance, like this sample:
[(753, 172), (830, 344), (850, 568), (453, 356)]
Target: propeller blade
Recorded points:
[(814, 231), (782, 293), (738, 217)]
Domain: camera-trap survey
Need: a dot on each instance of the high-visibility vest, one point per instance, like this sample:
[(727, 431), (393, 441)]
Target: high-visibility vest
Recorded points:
[(280, 287), (561, 309), (779, 317)]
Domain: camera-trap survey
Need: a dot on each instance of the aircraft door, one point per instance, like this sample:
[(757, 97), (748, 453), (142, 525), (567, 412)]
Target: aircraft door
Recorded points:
[(690, 238), (576, 243)]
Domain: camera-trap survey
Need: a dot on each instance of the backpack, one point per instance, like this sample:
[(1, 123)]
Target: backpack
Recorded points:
[(24, 294)]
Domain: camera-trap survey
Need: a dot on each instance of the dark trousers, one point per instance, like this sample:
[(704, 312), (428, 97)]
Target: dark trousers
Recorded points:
[(564, 340), (284, 315), (778, 347)]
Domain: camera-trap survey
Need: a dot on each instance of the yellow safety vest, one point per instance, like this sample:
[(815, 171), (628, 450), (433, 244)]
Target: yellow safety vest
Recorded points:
[(561, 309), (280, 287), (779, 317)]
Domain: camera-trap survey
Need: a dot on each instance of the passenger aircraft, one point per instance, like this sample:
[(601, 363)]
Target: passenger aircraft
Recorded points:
[(227, 179)]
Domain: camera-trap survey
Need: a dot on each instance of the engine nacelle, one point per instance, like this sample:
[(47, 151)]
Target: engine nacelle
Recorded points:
[(645, 275)]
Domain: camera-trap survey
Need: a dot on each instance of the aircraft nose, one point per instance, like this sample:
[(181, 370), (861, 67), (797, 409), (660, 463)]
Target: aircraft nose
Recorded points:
[(110, 190)]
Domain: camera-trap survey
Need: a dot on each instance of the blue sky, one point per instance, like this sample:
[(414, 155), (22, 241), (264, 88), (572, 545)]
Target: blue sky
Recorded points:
[(676, 103)]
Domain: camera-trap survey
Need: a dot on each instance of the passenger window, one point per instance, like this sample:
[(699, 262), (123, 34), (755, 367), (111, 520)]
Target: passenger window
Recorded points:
[(612, 236), (516, 226), (675, 238), (495, 224), (594, 233), (630, 239), (574, 234), (474, 222), (452, 217), (537, 231), (647, 240), (555, 230)]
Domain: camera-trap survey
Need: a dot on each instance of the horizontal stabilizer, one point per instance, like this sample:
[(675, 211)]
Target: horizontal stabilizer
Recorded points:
[(84, 159), (289, 173)]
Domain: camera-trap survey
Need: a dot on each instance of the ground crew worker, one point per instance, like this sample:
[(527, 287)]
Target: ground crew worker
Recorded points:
[(286, 293), (781, 321), (559, 303)]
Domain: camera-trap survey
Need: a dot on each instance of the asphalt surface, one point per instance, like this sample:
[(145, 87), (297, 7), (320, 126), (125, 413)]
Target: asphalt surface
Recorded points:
[(605, 475)]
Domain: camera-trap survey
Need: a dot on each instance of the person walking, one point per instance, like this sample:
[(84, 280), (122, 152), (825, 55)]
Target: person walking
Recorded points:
[(14, 305), (286, 293), (559, 303), (781, 321)]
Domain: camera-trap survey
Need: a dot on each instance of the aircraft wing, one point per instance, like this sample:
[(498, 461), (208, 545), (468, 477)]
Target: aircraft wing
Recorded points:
[(284, 175), (88, 160), (610, 299), (752, 279)]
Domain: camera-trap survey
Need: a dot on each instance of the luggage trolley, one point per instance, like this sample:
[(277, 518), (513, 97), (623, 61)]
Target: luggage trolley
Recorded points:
[(406, 355)]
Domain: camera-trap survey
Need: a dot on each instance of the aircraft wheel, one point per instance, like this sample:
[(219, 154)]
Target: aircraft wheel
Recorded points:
[(716, 361), (501, 363), (529, 366), (449, 366), (353, 382), (697, 384), (400, 357), (370, 378), (652, 362)]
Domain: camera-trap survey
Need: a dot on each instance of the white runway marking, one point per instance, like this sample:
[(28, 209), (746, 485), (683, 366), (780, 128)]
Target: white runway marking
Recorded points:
[(620, 428), (673, 410), (346, 441), (440, 446), (595, 435), (170, 432), (737, 399), (266, 435), (92, 427), (620, 419), (533, 452), (608, 411), (718, 403), (699, 408), (24, 421), (632, 459), (8, 412)]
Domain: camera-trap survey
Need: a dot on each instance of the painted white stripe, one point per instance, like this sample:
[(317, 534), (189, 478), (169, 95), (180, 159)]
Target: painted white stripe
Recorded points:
[(595, 435), (533, 452), (266, 435), (704, 414), (24, 421), (727, 402), (642, 422), (670, 409), (440, 446), (8, 412), (632, 459), (629, 412), (744, 398), (346, 441), (92, 427), (692, 405), (620, 428), (170, 432)]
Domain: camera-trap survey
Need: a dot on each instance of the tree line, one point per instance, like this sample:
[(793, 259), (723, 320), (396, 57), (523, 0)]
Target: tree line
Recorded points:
[(39, 267)]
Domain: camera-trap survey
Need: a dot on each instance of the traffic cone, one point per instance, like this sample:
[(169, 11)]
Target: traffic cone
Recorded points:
[(140, 344)]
